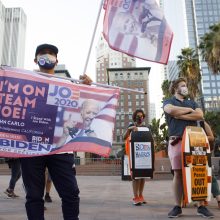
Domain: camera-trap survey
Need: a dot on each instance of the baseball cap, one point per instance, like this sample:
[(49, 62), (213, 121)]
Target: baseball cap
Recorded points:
[(46, 46)]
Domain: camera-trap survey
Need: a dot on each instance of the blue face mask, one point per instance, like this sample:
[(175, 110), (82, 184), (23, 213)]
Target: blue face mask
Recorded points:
[(46, 61)]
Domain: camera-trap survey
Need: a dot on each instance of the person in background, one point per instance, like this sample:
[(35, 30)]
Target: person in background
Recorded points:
[(60, 166), (14, 165), (180, 112), (137, 184), (48, 186), (215, 187)]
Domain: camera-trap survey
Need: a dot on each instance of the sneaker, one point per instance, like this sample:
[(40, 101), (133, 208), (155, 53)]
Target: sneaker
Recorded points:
[(204, 212), (136, 201), (142, 200), (175, 212), (9, 193), (14, 195), (47, 198)]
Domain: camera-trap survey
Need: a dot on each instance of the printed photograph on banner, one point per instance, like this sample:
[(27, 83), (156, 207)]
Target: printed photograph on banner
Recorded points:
[(138, 28), (41, 115)]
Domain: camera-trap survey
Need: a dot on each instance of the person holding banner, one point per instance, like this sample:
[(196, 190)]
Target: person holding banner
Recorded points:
[(180, 112), (60, 166), (137, 184)]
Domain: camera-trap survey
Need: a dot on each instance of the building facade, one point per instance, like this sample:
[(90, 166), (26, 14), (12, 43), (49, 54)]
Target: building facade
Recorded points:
[(60, 70), (118, 69), (201, 14), (132, 78), (12, 38), (108, 58)]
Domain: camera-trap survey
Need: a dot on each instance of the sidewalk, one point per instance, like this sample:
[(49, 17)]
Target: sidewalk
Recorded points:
[(104, 198)]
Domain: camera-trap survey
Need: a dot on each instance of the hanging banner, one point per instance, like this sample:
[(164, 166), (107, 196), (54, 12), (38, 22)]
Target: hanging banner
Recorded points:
[(42, 115)]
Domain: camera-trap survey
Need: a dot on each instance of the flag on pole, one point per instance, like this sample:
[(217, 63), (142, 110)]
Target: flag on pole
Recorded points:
[(138, 28)]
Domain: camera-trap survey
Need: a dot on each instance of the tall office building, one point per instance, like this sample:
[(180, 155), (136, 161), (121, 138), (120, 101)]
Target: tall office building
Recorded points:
[(119, 69), (12, 39), (108, 58), (132, 78), (201, 14)]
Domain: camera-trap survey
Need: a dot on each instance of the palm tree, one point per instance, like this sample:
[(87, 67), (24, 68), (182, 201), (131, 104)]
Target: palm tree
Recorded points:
[(160, 133), (165, 88), (188, 64), (210, 48)]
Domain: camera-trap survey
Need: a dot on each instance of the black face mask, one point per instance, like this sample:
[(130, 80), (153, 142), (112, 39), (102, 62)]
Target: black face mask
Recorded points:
[(139, 119)]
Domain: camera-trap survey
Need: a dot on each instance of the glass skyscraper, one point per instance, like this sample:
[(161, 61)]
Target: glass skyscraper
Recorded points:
[(200, 15)]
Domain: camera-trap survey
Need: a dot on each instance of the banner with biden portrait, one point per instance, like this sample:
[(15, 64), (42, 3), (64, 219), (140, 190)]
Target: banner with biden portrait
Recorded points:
[(43, 115)]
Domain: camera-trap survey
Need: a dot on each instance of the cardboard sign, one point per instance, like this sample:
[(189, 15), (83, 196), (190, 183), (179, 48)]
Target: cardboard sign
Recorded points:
[(140, 151), (196, 165)]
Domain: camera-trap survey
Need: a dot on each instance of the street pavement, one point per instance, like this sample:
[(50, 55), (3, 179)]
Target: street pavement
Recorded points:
[(104, 198)]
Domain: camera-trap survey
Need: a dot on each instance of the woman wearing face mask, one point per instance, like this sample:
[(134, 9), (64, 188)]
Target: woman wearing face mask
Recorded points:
[(137, 184)]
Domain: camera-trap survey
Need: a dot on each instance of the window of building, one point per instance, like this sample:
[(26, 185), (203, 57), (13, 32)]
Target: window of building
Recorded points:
[(213, 84), (118, 138), (206, 84), (207, 91)]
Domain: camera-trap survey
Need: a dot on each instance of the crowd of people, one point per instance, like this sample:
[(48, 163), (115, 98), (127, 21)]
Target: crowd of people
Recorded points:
[(40, 172)]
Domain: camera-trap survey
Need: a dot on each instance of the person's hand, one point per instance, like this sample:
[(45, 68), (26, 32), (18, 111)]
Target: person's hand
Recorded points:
[(133, 128), (67, 125), (85, 79)]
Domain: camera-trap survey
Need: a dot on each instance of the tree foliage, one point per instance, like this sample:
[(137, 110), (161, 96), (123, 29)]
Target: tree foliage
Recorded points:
[(213, 118), (165, 88), (210, 48), (160, 134), (188, 63)]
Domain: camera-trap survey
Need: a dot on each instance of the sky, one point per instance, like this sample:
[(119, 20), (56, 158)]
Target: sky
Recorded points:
[(69, 24)]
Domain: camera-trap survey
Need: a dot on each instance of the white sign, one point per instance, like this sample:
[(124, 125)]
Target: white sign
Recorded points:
[(126, 166), (142, 155)]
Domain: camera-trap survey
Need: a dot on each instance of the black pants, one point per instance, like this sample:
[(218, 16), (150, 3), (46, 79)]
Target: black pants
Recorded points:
[(62, 173), (15, 167)]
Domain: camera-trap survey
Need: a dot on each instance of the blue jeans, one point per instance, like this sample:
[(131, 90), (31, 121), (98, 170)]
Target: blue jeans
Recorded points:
[(15, 166), (60, 167)]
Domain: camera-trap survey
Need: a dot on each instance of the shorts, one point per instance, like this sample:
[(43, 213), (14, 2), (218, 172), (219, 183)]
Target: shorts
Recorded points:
[(175, 155)]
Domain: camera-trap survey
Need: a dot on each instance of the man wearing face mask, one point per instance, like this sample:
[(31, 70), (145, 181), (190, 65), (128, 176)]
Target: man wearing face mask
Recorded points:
[(60, 166), (180, 112), (137, 184)]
